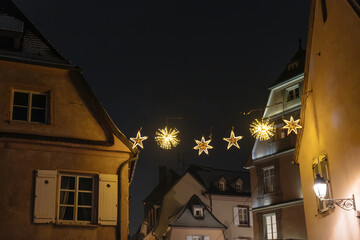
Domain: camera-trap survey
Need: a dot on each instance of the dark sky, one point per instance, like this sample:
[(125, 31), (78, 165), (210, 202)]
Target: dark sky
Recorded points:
[(195, 65)]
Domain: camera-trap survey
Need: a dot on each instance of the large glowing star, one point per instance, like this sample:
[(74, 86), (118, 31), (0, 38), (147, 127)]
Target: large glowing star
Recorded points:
[(167, 138), (138, 140), (262, 130), (203, 145), (232, 140), (291, 125)]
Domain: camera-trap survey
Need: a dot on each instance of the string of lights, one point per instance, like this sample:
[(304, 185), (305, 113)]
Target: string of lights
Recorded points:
[(168, 138)]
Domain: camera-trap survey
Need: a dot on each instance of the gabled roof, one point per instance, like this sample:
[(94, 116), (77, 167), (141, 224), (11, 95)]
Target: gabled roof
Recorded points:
[(34, 46), (185, 217), (290, 72), (209, 177)]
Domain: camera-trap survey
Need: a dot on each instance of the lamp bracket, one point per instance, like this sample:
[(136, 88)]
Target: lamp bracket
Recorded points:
[(347, 204)]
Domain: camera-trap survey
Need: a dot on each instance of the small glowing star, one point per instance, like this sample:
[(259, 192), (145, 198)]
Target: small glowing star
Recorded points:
[(203, 145), (232, 140), (291, 125), (262, 130), (167, 138), (138, 140)]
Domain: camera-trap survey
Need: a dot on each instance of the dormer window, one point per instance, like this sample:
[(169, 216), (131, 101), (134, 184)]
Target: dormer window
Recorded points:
[(239, 185), (292, 93), (198, 211), (11, 33), (222, 184), (293, 65)]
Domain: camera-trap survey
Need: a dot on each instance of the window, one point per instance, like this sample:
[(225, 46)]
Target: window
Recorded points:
[(241, 216), (76, 199), (292, 93), (269, 179), (270, 227), (239, 185), (222, 184), (320, 166), (30, 106), (198, 211)]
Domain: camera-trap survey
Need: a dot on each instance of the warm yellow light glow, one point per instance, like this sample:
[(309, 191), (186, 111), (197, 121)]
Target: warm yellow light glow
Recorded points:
[(232, 140), (167, 138), (203, 145), (262, 130), (291, 125), (138, 140)]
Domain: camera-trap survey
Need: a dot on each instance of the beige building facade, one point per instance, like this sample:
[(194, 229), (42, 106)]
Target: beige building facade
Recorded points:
[(66, 166), (277, 203), (329, 142), (224, 195)]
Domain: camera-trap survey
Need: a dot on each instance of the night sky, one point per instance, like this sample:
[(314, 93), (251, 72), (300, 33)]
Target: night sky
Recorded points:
[(194, 65)]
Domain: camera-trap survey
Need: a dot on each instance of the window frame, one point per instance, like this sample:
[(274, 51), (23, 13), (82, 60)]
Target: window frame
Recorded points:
[(247, 222), (201, 211), (292, 89), (323, 206), (75, 205), (29, 106), (239, 185), (272, 224), (222, 184), (272, 178)]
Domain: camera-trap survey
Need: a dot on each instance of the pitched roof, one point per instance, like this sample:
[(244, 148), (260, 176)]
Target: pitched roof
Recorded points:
[(292, 69), (185, 217), (34, 46), (209, 178)]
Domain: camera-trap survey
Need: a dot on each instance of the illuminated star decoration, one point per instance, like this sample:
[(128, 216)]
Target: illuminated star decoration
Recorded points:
[(262, 130), (291, 125), (203, 145), (167, 138), (232, 140), (138, 140)]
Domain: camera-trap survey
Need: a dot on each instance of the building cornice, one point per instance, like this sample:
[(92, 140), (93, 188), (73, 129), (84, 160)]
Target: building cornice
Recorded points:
[(279, 205)]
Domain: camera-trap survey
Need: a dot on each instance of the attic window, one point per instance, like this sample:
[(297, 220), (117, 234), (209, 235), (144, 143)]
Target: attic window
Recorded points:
[(198, 211), (239, 185), (293, 65), (11, 32), (222, 183)]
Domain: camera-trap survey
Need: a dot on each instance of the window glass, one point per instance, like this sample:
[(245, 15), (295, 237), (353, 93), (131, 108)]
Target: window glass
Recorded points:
[(21, 99), (269, 179), (76, 198), (30, 107), (270, 226)]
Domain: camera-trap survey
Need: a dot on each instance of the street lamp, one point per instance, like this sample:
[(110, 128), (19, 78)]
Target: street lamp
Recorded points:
[(320, 187)]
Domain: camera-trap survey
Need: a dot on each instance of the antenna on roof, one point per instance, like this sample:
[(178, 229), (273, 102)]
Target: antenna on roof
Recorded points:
[(299, 40)]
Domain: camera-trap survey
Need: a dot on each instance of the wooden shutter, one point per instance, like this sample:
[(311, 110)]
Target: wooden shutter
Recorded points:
[(108, 199), (236, 216), (45, 196)]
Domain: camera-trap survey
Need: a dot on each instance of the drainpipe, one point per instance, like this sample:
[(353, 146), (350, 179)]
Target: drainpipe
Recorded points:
[(135, 158)]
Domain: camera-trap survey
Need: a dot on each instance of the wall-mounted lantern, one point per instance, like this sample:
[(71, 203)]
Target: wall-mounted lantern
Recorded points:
[(320, 187)]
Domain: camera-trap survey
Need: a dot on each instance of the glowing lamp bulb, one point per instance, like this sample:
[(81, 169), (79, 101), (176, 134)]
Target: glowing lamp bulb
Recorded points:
[(320, 187)]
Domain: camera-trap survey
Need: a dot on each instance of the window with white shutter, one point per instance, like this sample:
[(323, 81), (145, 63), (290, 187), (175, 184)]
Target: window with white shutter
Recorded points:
[(45, 196), (75, 198), (108, 200)]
